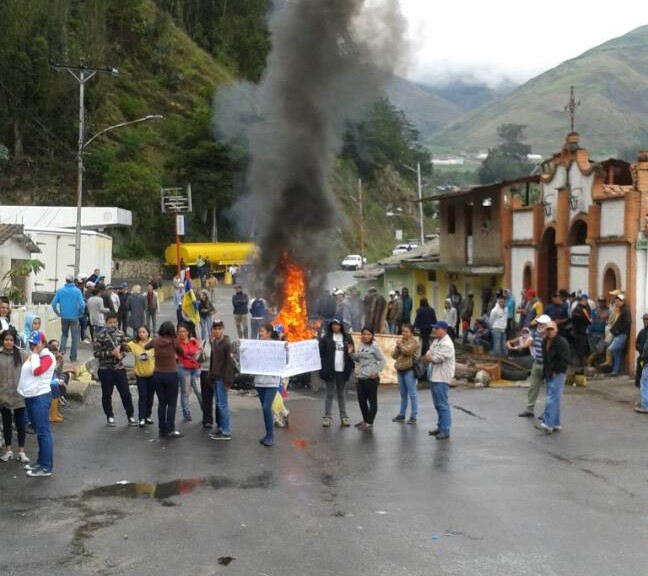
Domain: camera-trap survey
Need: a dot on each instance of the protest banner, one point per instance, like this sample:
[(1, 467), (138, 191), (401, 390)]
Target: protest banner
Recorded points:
[(277, 358), (265, 357)]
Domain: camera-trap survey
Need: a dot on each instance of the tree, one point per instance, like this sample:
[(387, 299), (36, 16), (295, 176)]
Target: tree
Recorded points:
[(384, 137), (14, 279), (508, 160)]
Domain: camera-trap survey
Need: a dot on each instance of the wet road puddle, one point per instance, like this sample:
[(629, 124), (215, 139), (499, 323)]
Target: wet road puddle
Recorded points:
[(162, 491)]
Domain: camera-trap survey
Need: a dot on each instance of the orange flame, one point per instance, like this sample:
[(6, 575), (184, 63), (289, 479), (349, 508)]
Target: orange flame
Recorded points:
[(293, 315)]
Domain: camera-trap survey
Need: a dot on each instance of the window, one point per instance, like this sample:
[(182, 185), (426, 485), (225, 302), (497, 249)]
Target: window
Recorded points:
[(451, 219)]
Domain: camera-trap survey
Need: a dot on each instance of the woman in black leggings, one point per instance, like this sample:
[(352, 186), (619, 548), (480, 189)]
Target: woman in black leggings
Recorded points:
[(371, 362)]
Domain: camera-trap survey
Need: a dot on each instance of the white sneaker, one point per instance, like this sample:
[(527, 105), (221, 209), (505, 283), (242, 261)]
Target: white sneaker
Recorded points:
[(110, 422), (8, 455), (22, 457)]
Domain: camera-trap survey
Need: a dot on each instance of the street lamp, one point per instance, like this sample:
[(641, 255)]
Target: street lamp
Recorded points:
[(80, 151), (419, 187)]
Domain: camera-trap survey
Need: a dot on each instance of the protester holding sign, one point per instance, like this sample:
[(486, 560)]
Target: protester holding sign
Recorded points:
[(266, 387)]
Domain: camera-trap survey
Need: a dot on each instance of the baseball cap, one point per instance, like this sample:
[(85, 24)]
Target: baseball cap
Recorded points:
[(34, 338), (69, 278), (530, 293), (90, 284), (441, 325), (614, 292), (543, 319), (583, 295), (620, 296)]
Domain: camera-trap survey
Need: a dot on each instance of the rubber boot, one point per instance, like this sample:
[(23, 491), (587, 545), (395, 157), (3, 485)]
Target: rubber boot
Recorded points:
[(54, 416), (608, 360)]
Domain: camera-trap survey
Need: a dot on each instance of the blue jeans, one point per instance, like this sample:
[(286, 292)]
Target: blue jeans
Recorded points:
[(222, 408), (616, 348), (166, 388), (643, 387), (145, 394), (407, 387), (69, 325), (440, 398), (194, 377), (266, 397), (499, 342), (38, 409), (205, 327), (555, 385)]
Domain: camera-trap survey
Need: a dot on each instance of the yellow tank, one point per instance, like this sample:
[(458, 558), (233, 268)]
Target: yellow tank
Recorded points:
[(220, 253)]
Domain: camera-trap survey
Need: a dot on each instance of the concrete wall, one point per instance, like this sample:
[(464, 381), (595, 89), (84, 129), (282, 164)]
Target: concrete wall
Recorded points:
[(612, 218)]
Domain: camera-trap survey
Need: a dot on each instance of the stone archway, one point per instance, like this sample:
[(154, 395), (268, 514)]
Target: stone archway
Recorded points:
[(527, 276), (547, 265)]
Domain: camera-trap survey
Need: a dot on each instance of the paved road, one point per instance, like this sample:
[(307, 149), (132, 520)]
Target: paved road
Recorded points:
[(498, 498)]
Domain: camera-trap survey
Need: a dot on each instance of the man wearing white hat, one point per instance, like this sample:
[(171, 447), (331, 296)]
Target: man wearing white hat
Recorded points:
[(536, 379)]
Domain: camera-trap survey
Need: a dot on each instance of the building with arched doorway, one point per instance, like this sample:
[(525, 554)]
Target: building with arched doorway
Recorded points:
[(586, 230)]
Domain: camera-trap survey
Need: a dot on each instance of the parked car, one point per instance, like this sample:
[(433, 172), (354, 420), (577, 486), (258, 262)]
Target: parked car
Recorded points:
[(352, 262), (402, 248)]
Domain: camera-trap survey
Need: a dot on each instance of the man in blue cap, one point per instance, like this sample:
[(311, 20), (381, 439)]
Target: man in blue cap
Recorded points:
[(441, 356)]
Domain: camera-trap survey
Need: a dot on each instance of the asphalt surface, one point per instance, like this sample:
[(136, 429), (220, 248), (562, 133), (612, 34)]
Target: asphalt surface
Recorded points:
[(497, 498)]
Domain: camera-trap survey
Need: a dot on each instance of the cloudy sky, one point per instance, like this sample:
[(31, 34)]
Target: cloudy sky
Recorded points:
[(509, 38)]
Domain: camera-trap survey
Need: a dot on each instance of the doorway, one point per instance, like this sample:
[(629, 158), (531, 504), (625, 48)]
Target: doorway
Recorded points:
[(547, 265)]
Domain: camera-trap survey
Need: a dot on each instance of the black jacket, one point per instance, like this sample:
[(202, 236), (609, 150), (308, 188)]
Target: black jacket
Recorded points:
[(622, 323), (327, 354), (555, 357)]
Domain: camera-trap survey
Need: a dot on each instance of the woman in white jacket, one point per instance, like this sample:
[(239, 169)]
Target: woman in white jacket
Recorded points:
[(35, 387)]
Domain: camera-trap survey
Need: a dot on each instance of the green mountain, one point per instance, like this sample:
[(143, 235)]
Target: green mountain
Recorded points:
[(161, 71), (611, 83)]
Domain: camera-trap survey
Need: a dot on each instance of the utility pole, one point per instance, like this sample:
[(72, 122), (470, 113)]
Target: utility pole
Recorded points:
[(361, 206), (420, 202), (81, 74)]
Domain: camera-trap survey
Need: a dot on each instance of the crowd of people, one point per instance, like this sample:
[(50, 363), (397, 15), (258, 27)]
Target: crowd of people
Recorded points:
[(171, 361)]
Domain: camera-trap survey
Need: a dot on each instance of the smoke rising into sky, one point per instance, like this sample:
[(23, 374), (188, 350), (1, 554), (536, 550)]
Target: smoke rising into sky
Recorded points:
[(329, 60)]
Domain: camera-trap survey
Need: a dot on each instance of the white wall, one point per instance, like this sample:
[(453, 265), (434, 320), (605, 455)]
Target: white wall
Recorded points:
[(519, 257), (522, 225), (58, 256), (581, 189), (641, 287), (578, 275), (612, 218)]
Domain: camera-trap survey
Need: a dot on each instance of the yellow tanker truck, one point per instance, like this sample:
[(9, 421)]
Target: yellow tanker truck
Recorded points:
[(221, 254)]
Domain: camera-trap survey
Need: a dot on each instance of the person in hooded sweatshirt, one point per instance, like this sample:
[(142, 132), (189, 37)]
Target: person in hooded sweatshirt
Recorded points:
[(109, 349), (165, 378), (31, 323), (35, 387)]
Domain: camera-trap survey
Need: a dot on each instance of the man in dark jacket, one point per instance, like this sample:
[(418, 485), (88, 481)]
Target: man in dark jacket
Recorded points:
[(109, 349), (580, 321), (221, 374), (555, 355), (639, 346), (240, 303), (619, 330), (337, 365), (642, 371)]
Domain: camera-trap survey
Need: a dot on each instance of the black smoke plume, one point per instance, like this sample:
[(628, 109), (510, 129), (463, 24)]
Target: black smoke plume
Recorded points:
[(329, 60)]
